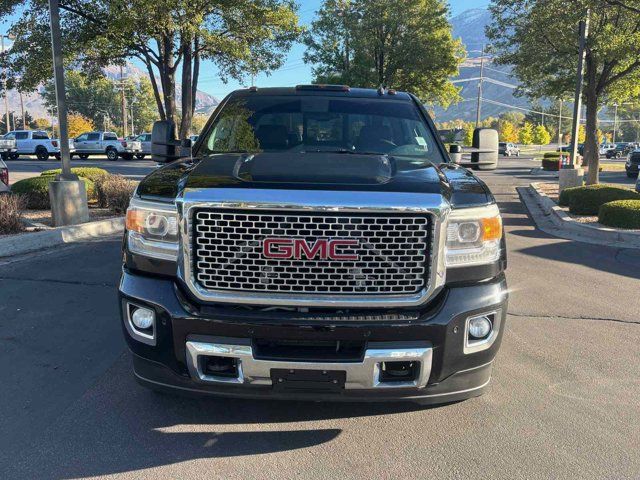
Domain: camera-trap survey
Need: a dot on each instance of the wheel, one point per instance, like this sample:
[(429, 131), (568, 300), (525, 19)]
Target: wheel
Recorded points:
[(140, 156), (42, 154), (112, 154), (517, 154), (127, 156), (14, 156), (57, 155), (83, 156)]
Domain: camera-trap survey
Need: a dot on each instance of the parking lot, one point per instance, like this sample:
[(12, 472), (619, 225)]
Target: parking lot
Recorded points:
[(564, 401)]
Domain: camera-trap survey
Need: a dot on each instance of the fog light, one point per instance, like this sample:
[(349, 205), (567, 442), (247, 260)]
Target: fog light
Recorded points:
[(479, 327), (143, 318)]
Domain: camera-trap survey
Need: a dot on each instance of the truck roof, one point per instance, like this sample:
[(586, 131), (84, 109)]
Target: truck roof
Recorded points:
[(323, 90)]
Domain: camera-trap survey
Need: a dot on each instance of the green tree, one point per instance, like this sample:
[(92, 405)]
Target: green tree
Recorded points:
[(368, 43), (170, 37), (541, 135), (525, 134), (514, 117), (540, 40)]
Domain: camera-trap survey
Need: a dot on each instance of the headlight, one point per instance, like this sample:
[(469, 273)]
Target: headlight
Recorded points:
[(473, 236), (152, 229)]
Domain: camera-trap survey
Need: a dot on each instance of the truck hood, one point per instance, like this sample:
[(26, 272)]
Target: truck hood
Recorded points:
[(315, 171)]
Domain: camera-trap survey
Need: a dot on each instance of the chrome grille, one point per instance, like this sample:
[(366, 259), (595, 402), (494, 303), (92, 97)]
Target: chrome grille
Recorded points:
[(393, 252)]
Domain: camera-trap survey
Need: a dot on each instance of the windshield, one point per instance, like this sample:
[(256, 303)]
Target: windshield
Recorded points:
[(310, 124)]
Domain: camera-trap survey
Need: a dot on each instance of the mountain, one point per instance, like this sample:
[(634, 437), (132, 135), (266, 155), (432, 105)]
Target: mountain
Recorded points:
[(205, 103), (469, 27)]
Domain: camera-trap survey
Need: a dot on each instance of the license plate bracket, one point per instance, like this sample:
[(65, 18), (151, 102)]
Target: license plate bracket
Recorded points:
[(303, 379)]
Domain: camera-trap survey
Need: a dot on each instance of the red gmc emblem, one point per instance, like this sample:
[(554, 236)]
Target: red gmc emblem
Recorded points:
[(299, 248)]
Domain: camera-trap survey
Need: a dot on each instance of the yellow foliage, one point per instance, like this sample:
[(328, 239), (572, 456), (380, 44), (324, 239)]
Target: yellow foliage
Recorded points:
[(78, 124)]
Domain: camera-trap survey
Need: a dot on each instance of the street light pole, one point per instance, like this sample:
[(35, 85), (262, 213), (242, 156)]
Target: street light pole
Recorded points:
[(4, 83), (615, 121), (560, 125), (577, 103), (67, 193)]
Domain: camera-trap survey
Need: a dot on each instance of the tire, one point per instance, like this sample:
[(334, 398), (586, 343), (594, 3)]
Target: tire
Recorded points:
[(14, 156), (42, 154), (140, 156), (127, 156), (57, 156), (112, 154), (83, 156)]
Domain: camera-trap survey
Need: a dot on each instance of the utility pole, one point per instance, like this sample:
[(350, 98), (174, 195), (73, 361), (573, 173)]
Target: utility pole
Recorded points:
[(615, 121), (24, 121), (123, 101), (67, 193), (133, 130), (4, 85), (560, 125), (577, 103), (479, 105)]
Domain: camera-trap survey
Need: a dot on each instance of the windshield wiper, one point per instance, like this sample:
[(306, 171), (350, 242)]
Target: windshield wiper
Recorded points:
[(346, 151)]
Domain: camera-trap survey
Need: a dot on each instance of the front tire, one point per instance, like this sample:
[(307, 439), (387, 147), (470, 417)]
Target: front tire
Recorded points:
[(140, 156), (112, 154), (42, 154), (83, 156)]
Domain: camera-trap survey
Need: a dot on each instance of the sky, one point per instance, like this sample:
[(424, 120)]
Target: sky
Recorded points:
[(293, 71)]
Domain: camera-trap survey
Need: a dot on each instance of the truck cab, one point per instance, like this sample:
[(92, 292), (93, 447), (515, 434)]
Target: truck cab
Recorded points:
[(318, 243), (105, 143)]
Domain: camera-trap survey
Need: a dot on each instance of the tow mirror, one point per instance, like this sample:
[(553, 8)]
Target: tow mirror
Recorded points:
[(485, 140), (455, 152), (165, 147)]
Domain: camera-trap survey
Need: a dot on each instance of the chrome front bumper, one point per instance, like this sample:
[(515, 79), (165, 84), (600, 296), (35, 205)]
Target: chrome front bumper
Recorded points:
[(359, 375)]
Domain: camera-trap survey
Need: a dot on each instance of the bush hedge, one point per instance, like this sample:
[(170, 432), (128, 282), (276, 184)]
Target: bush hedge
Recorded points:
[(11, 207), (551, 164), (36, 190), (620, 214), (588, 200), (566, 194), (92, 173), (115, 191)]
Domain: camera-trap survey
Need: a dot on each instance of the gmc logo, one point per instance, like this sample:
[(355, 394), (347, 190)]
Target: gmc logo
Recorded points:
[(298, 249)]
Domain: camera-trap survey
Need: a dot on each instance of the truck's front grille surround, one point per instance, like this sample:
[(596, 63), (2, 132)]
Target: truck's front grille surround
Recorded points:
[(394, 252)]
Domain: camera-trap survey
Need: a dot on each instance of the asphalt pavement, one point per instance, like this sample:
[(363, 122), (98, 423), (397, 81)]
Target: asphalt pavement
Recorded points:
[(564, 401)]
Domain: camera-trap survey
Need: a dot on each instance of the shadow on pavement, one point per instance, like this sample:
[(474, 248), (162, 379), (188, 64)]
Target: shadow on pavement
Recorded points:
[(119, 426)]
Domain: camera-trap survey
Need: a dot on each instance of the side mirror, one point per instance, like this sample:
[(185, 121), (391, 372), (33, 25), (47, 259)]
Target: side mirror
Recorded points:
[(186, 143), (486, 141), (165, 147), (455, 153)]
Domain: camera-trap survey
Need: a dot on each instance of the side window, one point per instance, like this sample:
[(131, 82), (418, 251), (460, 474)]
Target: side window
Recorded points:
[(110, 136), (82, 137), (147, 138), (10, 136), (93, 137), (22, 135), (40, 136)]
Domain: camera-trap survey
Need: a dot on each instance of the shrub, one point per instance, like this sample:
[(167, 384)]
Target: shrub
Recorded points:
[(588, 200), (551, 164), (36, 190), (620, 214), (11, 208), (566, 194), (115, 192), (92, 173)]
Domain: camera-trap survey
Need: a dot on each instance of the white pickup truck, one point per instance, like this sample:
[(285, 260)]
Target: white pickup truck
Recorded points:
[(105, 143), (34, 142)]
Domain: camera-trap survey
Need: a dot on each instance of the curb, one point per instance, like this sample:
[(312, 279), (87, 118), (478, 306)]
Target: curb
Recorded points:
[(32, 242), (550, 218)]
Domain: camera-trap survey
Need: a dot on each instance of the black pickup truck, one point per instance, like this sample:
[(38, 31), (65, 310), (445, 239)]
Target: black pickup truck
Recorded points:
[(317, 243)]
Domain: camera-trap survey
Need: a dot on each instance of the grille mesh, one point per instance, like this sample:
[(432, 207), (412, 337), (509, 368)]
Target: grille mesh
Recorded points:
[(393, 252)]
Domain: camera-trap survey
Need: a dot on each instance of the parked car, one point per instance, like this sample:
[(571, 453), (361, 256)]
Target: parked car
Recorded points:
[(605, 147), (567, 149), (105, 143), (351, 263), (34, 142), (620, 150), (145, 145), (4, 177), (508, 149), (632, 166), (7, 148)]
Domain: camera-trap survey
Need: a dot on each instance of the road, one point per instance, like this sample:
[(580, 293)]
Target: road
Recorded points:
[(564, 401)]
